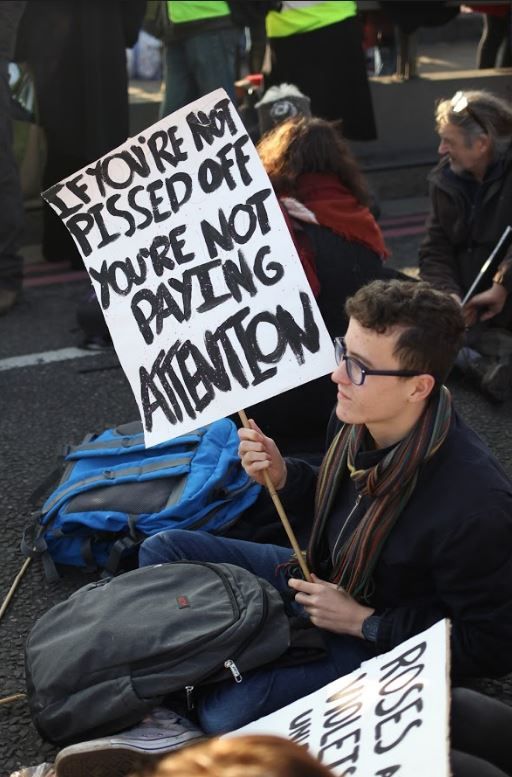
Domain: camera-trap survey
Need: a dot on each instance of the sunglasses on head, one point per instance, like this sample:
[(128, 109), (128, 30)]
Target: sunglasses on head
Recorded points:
[(460, 103)]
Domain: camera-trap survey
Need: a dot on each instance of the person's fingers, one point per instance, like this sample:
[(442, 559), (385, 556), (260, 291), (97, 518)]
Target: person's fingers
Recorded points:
[(249, 457), (258, 466), (248, 434), (249, 445), (303, 585), (255, 427)]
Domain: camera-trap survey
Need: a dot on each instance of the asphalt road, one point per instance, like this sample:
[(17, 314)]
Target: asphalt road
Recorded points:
[(50, 403)]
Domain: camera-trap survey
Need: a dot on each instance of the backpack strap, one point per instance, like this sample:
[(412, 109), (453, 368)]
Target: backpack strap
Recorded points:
[(33, 545), (119, 549), (119, 444)]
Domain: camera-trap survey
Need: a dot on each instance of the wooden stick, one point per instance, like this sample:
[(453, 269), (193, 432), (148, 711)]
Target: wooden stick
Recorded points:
[(14, 697), (14, 586), (280, 511)]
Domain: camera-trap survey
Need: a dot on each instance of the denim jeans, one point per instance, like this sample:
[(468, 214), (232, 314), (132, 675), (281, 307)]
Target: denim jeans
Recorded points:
[(228, 705), (197, 65)]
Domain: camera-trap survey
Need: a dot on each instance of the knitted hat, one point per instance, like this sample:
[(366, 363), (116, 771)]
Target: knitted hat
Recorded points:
[(280, 103)]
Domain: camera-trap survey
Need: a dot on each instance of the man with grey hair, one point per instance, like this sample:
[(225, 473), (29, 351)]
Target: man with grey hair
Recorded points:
[(471, 205)]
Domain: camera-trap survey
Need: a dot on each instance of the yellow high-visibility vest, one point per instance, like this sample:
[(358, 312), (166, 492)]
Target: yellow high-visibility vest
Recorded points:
[(298, 16), (191, 11)]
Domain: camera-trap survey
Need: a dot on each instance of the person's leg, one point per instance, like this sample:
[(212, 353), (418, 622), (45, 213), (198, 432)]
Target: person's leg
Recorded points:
[(482, 727), (11, 201), (212, 58), (335, 77), (486, 358), (505, 58), (180, 85), (183, 545), (57, 245), (492, 37), (465, 765), (503, 52), (228, 705)]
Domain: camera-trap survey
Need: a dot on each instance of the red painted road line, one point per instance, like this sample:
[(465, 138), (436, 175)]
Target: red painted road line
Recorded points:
[(37, 268), (406, 219), (403, 231), (48, 280)]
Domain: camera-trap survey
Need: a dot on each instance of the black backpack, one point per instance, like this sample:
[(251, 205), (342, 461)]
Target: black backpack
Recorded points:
[(99, 661)]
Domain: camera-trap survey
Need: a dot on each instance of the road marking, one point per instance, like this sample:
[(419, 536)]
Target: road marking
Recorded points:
[(405, 219), (48, 280), (404, 231), (45, 357)]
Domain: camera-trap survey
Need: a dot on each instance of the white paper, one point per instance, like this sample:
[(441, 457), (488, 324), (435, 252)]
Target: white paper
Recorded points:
[(389, 717)]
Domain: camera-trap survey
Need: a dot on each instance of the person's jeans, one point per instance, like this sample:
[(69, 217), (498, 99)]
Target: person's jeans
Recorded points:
[(11, 201), (227, 706), (198, 65)]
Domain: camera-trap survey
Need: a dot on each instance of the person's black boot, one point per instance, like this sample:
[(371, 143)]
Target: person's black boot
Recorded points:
[(492, 376)]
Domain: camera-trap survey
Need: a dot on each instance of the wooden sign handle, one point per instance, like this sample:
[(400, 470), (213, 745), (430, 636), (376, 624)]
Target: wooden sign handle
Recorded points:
[(280, 511)]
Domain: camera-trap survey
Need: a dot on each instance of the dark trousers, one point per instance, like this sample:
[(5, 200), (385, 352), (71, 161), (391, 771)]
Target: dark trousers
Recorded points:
[(495, 47), (481, 731), (11, 201), (329, 66)]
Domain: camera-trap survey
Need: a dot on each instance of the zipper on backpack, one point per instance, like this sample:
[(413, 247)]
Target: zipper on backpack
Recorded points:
[(189, 691), (230, 664)]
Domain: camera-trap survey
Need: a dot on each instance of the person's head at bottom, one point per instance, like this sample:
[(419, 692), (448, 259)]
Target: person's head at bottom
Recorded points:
[(399, 347), (241, 756)]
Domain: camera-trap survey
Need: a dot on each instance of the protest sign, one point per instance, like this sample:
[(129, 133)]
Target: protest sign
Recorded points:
[(389, 717), (202, 290)]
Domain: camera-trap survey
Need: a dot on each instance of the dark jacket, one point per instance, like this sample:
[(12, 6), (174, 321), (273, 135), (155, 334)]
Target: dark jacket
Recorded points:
[(448, 556), (77, 52), (11, 12), (463, 230)]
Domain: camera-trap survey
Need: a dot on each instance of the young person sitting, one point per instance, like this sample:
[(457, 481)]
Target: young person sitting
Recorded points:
[(412, 515)]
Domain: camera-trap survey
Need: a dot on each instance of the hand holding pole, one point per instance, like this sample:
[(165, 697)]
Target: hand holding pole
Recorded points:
[(280, 511)]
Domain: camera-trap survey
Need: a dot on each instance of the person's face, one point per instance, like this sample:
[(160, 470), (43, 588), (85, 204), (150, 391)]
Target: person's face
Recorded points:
[(382, 399), (473, 158)]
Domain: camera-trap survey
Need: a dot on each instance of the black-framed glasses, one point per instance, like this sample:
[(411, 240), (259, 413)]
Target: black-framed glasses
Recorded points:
[(357, 372), (460, 103)]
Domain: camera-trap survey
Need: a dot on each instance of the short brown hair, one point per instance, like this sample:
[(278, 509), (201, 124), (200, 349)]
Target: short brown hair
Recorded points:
[(431, 322), (241, 756)]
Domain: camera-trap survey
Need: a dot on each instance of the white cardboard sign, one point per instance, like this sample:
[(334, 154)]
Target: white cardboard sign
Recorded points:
[(202, 290), (389, 717)]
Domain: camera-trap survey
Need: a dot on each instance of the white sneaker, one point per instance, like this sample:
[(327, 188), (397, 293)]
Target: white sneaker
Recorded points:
[(161, 732)]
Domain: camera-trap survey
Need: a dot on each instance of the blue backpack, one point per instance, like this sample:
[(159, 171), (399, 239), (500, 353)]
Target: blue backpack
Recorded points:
[(114, 492)]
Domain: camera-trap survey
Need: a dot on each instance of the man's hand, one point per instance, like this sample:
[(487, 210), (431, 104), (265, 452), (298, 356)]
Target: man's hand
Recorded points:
[(259, 453), (330, 607), (488, 304)]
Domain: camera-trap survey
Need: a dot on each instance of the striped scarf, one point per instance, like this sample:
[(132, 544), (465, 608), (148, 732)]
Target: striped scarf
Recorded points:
[(389, 483)]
